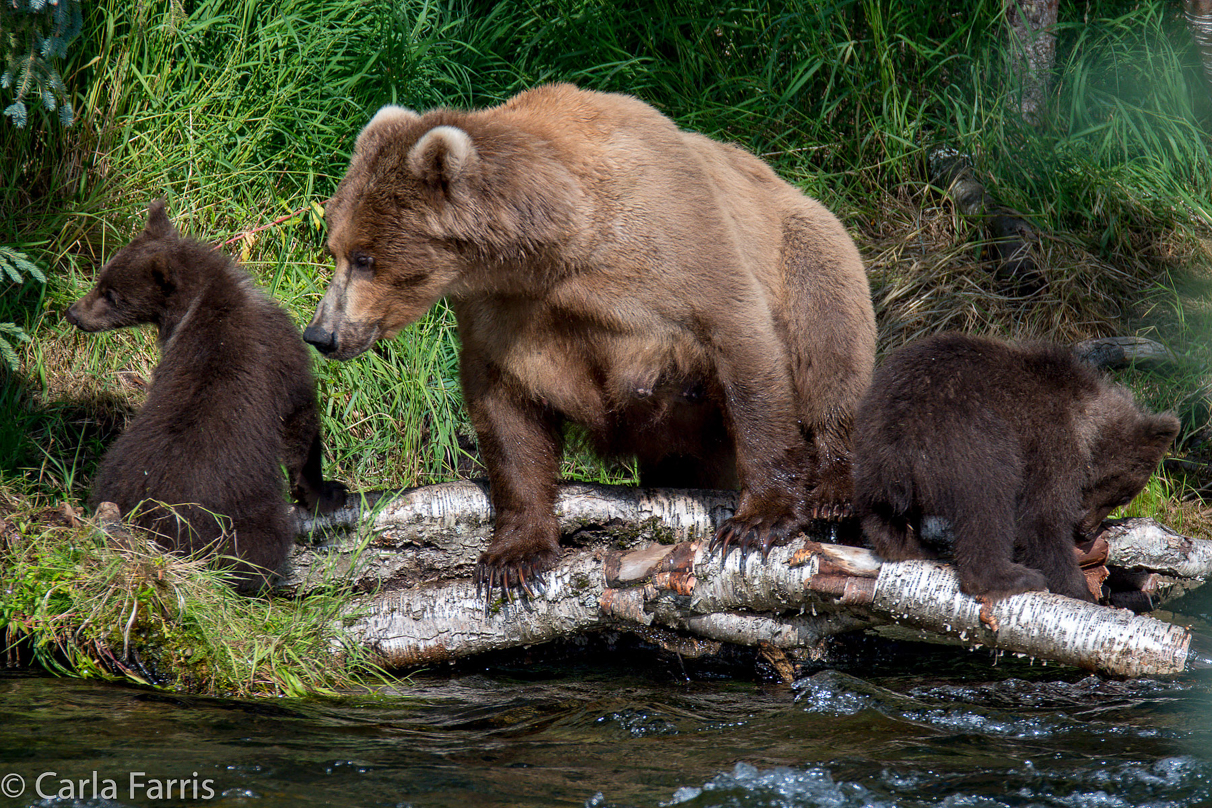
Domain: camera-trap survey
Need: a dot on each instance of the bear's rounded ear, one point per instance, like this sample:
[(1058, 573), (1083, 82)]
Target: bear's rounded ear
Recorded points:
[(383, 126), (1164, 428), (393, 114), (442, 156), (157, 219)]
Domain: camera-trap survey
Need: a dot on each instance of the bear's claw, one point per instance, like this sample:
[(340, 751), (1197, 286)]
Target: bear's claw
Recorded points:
[(523, 577), (753, 533), (833, 511)]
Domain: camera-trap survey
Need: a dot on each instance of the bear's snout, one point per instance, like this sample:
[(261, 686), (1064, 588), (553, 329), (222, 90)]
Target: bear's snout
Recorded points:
[(79, 315), (323, 339)]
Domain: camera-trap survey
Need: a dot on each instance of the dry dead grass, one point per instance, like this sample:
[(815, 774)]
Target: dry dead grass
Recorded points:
[(929, 274)]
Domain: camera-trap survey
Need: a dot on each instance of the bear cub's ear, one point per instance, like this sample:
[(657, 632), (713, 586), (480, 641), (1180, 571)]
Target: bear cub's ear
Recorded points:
[(1163, 429), (158, 225), (162, 276), (442, 156)]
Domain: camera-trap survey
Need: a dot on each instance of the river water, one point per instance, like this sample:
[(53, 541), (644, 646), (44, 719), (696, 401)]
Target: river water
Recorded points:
[(886, 725)]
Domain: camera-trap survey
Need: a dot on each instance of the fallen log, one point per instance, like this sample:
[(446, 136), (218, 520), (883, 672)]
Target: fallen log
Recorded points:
[(638, 561), (1012, 240), (1116, 353)]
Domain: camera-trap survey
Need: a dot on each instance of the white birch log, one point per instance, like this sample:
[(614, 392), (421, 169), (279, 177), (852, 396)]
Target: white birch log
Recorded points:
[(441, 622), (437, 532), (803, 593), (926, 595)]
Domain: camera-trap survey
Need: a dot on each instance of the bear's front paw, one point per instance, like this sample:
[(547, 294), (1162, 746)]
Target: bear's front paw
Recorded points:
[(755, 533), (515, 561), (333, 497)]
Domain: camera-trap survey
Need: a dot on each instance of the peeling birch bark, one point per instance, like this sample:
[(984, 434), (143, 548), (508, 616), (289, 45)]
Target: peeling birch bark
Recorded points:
[(1147, 545), (926, 595), (437, 532), (441, 622), (687, 599)]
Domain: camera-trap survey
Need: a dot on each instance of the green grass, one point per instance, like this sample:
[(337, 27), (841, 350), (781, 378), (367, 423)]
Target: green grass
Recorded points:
[(79, 602), (239, 116)]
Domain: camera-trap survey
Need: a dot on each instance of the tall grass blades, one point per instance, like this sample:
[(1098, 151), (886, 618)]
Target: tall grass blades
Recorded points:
[(242, 113)]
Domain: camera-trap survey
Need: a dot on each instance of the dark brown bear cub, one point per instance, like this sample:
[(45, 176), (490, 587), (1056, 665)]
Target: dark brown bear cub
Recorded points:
[(232, 398), (1020, 447)]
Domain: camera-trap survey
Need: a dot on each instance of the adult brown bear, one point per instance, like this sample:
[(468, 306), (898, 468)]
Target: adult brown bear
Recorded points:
[(1021, 448), (232, 400), (665, 291)]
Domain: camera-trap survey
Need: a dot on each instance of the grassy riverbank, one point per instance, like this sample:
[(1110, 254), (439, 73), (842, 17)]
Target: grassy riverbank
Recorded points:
[(241, 116), (80, 602)]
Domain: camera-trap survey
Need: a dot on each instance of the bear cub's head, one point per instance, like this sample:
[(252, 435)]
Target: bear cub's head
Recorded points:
[(134, 286), (1126, 450)]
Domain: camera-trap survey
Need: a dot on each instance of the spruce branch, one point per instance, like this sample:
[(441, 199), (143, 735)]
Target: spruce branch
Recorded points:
[(36, 34)]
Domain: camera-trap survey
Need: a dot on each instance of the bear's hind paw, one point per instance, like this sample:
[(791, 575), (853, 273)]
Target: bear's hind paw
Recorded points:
[(994, 584)]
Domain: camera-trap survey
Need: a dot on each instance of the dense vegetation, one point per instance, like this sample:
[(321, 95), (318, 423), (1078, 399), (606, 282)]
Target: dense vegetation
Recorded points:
[(242, 112)]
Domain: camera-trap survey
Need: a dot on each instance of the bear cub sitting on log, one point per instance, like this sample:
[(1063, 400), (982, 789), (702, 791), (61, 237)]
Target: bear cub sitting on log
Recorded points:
[(666, 292), (1023, 448), (232, 398)]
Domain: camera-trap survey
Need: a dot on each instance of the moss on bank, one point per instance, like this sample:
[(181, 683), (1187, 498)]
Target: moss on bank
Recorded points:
[(83, 603)]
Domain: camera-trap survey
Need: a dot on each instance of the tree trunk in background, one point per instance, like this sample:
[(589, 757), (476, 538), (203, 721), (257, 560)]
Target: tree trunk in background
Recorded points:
[(1199, 18), (1032, 52)]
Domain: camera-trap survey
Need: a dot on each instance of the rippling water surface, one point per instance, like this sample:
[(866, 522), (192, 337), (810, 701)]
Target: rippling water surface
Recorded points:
[(891, 726)]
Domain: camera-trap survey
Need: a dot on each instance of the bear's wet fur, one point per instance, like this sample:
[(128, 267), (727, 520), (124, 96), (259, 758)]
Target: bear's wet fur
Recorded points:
[(1023, 448), (666, 292), (232, 400)]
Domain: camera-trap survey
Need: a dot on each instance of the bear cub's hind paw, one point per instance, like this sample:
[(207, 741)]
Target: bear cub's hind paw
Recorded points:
[(333, 497), (994, 584), (329, 498)]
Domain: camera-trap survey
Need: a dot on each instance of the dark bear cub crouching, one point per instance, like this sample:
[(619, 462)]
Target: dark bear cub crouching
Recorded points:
[(1022, 448), (232, 400)]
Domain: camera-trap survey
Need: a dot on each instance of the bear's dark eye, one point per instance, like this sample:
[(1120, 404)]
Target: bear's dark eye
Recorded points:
[(111, 296), (362, 262)]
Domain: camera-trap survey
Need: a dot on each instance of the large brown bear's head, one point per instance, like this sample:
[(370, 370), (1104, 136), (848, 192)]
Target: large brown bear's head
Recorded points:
[(133, 286), (433, 205)]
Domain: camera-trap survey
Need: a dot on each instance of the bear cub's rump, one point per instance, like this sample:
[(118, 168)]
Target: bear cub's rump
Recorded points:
[(1022, 448), (232, 398)]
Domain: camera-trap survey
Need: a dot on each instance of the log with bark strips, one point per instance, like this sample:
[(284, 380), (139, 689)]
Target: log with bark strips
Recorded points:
[(639, 562)]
